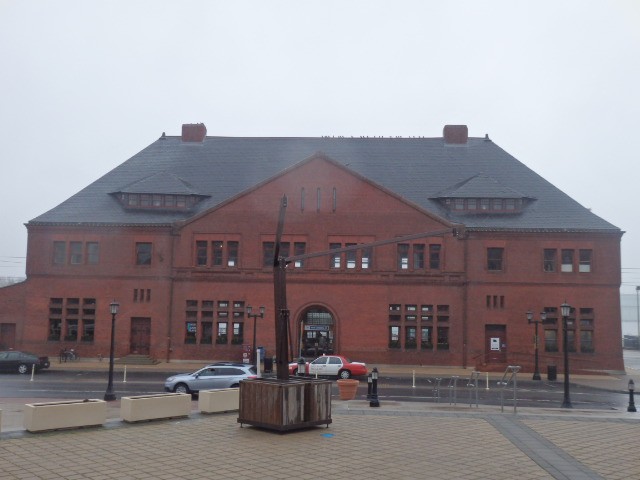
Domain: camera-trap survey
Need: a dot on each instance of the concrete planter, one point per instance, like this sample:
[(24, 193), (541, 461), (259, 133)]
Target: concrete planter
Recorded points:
[(39, 417), (153, 407), (222, 400)]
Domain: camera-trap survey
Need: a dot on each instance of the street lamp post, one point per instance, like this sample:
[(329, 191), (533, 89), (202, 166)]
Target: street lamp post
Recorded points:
[(255, 320), (543, 317), (109, 395), (565, 310)]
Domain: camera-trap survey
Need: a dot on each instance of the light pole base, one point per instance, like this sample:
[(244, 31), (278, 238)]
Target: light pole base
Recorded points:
[(566, 404), (109, 397), (536, 376)]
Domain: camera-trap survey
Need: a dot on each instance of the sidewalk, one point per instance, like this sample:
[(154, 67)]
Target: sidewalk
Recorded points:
[(397, 440)]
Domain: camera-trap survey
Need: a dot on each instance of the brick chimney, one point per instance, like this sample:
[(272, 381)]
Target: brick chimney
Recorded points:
[(193, 132), (455, 134)]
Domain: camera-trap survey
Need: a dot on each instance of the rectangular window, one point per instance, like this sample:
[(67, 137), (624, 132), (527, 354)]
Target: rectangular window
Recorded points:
[(133, 199), (232, 253), (299, 248), (472, 204), (335, 257), (549, 259), (585, 261), (59, 253), (365, 261), (443, 338), (496, 204), (157, 200), (143, 253), (191, 329), (217, 253), (268, 252), (410, 340), (426, 340), (567, 261), (394, 337), (571, 340), (443, 313), (221, 336), (169, 200), (88, 329), (93, 253), (484, 204), (458, 204), (285, 248), (181, 201), (403, 256), (55, 328), (201, 253), (207, 333), (510, 204), (550, 340), (495, 259), (75, 253), (418, 256), (586, 341), (434, 256), (238, 330), (351, 256), (71, 334), (145, 200)]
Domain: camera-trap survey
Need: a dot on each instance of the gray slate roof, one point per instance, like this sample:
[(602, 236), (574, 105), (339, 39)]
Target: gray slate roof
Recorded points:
[(418, 169)]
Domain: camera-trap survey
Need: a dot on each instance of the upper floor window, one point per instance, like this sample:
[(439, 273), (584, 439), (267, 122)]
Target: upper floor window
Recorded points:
[(549, 259), (143, 253), (418, 256), (219, 251), (585, 261), (201, 253), (59, 253), (79, 253), (434, 256), (403, 256), (495, 259), (567, 260)]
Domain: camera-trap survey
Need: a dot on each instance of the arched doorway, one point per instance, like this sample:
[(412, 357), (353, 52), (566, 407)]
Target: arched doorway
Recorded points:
[(317, 332)]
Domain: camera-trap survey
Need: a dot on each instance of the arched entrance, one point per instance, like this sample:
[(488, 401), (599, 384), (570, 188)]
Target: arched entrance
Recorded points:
[(317, 332)]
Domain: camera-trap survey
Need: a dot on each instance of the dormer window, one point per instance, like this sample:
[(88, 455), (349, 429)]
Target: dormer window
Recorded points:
[(485, 205), (161, 191), (482, 194)]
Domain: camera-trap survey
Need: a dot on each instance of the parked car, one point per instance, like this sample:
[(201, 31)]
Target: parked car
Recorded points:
[(215, 375), (22, 362), (330, 365)]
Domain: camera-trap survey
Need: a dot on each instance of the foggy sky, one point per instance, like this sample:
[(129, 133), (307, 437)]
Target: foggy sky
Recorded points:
[(86, 85)]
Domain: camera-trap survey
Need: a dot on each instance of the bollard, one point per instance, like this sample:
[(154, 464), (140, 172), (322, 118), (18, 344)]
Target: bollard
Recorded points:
[(301, 367), (632, 404), (124, 380), (414, 379), (487, 381), (369, 385), (33, 370), (374, 388)]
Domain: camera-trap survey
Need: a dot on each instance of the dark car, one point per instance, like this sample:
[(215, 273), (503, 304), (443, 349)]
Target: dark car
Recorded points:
[(21, 362)]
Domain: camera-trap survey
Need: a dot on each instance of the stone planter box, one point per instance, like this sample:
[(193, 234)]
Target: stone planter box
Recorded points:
[(284, 405), (39, 417), (154, 407), (222, 400)]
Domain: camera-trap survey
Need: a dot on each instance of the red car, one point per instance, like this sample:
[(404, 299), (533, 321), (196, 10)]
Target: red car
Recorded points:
[(332, 365)]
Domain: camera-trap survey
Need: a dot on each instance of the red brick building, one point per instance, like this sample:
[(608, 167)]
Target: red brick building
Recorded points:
[(182, 236)]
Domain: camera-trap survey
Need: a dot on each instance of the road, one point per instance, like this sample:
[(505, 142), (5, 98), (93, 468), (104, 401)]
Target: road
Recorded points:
[(65, 384)]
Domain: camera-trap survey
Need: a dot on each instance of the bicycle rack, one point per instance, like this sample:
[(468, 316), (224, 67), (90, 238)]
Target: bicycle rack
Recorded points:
[(473, 384), (453, 386), (436, 389), (512, 372)]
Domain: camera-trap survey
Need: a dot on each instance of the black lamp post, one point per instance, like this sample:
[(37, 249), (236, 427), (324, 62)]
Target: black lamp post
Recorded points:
[(109, 395), (374, 401), (632, 404), (543, 317), (255, 319), (565, 310)]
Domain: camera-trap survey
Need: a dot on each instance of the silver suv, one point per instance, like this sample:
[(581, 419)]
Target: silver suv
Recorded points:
[(215, 375)]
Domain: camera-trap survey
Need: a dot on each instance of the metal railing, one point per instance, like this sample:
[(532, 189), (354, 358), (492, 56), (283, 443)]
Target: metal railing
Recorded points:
[(512, 373)]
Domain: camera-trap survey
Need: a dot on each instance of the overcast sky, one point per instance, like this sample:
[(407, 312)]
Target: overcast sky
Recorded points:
[(87, 84)]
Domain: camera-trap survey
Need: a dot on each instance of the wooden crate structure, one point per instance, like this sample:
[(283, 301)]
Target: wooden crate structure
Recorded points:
[(285, 404)]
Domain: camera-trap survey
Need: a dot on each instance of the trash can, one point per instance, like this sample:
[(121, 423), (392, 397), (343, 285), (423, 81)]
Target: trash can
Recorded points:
[(552, 373), (268, 365)]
